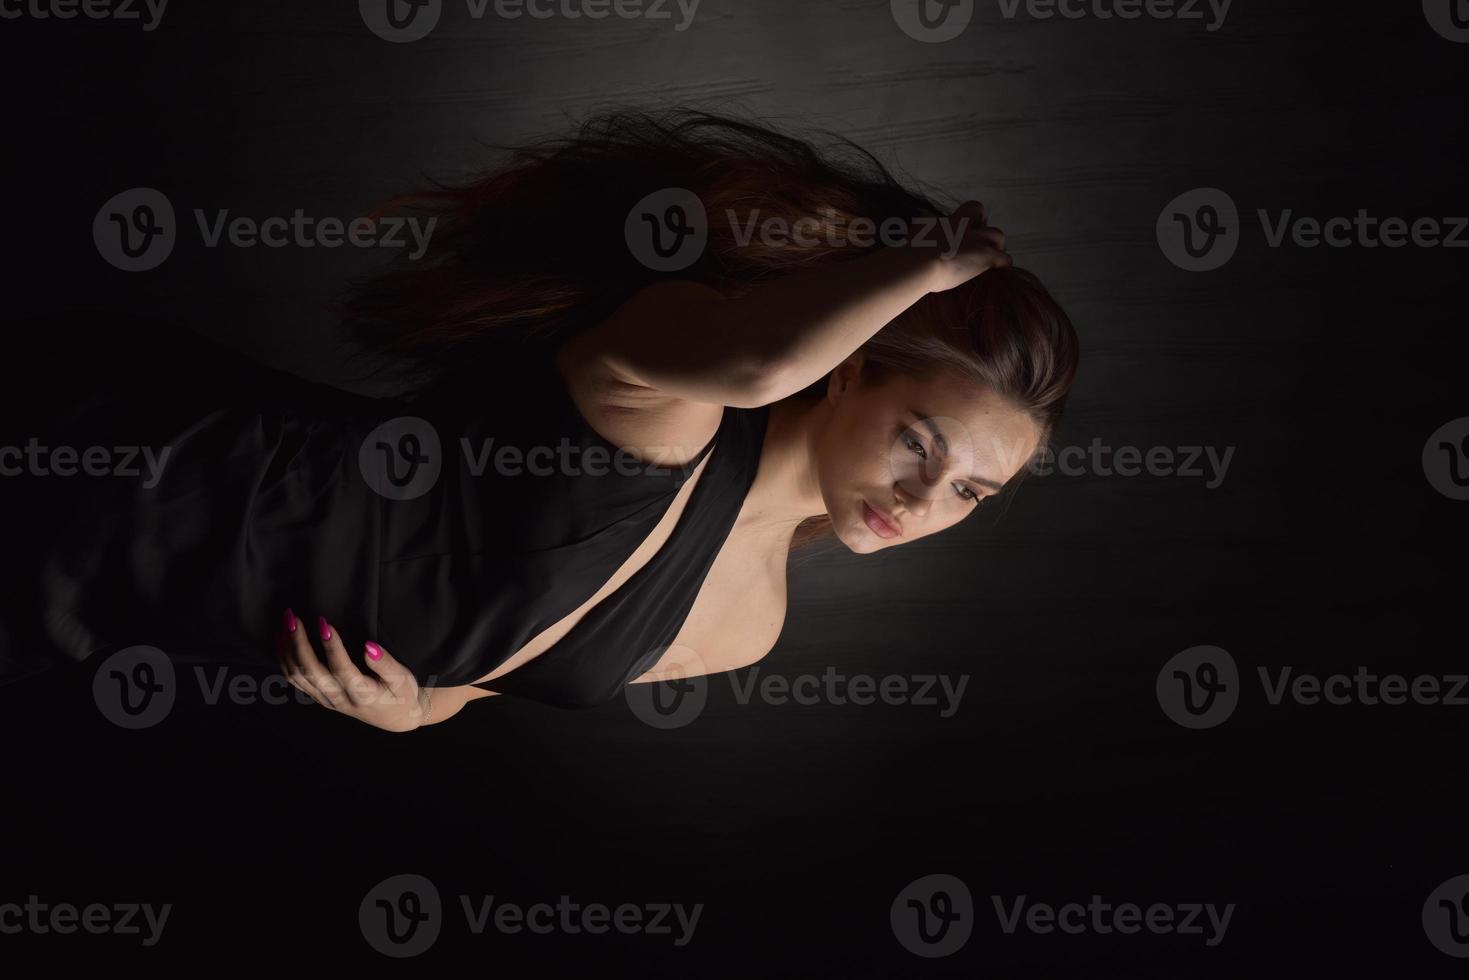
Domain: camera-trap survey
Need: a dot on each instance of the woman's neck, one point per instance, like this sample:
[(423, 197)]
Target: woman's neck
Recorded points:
[(786, 490)]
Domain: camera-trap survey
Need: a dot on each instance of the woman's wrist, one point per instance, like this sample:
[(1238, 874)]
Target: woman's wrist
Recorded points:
[(442, 703), (902, 268), (920, 264)]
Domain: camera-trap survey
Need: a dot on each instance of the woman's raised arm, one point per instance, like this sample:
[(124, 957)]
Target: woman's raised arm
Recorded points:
[(685, 340)]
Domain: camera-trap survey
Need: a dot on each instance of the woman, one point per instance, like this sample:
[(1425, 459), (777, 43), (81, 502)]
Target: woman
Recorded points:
[(772, 390)]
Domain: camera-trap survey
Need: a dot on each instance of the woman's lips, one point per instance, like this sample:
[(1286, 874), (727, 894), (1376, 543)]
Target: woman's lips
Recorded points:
[(880, 525)]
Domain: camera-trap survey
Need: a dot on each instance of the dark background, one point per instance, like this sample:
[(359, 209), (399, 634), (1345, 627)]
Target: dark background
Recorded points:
[(1059, 777)]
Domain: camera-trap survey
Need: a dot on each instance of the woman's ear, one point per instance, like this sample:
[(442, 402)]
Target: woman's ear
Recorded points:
[(845, 375)]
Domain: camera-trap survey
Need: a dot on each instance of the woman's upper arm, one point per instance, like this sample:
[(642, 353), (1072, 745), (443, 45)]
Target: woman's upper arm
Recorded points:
[(632, 395), (661, 340)]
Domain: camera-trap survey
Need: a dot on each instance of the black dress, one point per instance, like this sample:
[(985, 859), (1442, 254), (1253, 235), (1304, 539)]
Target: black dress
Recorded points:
[(162, 490)]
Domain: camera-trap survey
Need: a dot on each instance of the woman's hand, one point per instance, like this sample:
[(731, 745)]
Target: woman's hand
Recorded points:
[(392, 700), (981, 248)]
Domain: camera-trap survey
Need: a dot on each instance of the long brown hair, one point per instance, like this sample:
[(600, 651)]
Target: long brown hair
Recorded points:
[(534, 251)]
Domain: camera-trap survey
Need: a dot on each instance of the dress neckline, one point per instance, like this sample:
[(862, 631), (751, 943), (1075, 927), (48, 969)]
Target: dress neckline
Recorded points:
[(670, 579)]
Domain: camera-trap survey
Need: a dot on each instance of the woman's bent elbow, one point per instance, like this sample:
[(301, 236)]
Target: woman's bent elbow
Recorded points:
[(759, 383)]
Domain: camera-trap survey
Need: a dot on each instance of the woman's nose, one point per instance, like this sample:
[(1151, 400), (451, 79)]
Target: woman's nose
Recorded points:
[(915, 503)]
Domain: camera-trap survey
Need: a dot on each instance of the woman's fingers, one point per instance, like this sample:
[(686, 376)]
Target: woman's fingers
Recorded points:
[(978, 234), (282, 640), (355, 686), (319, 681), (386, 695), (288, 653), (977, 213), (399, 680), (988, 249), (994, 237)]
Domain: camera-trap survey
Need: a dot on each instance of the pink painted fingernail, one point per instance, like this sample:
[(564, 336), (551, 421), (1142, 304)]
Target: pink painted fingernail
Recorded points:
[(374, 652), (326, 630), (290, 621)]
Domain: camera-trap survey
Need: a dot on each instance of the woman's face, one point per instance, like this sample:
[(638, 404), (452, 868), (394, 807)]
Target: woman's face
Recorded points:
[(910, 456)]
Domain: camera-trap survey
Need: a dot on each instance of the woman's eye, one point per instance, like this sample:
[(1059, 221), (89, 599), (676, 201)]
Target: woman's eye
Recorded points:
[(966, 492), (916, 446)]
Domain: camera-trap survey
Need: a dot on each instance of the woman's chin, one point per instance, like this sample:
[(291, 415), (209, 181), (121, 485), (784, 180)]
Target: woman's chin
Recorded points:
[(859, 539)]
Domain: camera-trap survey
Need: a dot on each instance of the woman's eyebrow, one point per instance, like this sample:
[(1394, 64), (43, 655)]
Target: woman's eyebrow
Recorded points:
[(937, 437), (926, 420)]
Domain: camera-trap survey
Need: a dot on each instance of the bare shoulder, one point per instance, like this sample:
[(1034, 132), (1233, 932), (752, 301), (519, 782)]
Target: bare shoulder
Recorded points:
[(652, 424)]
